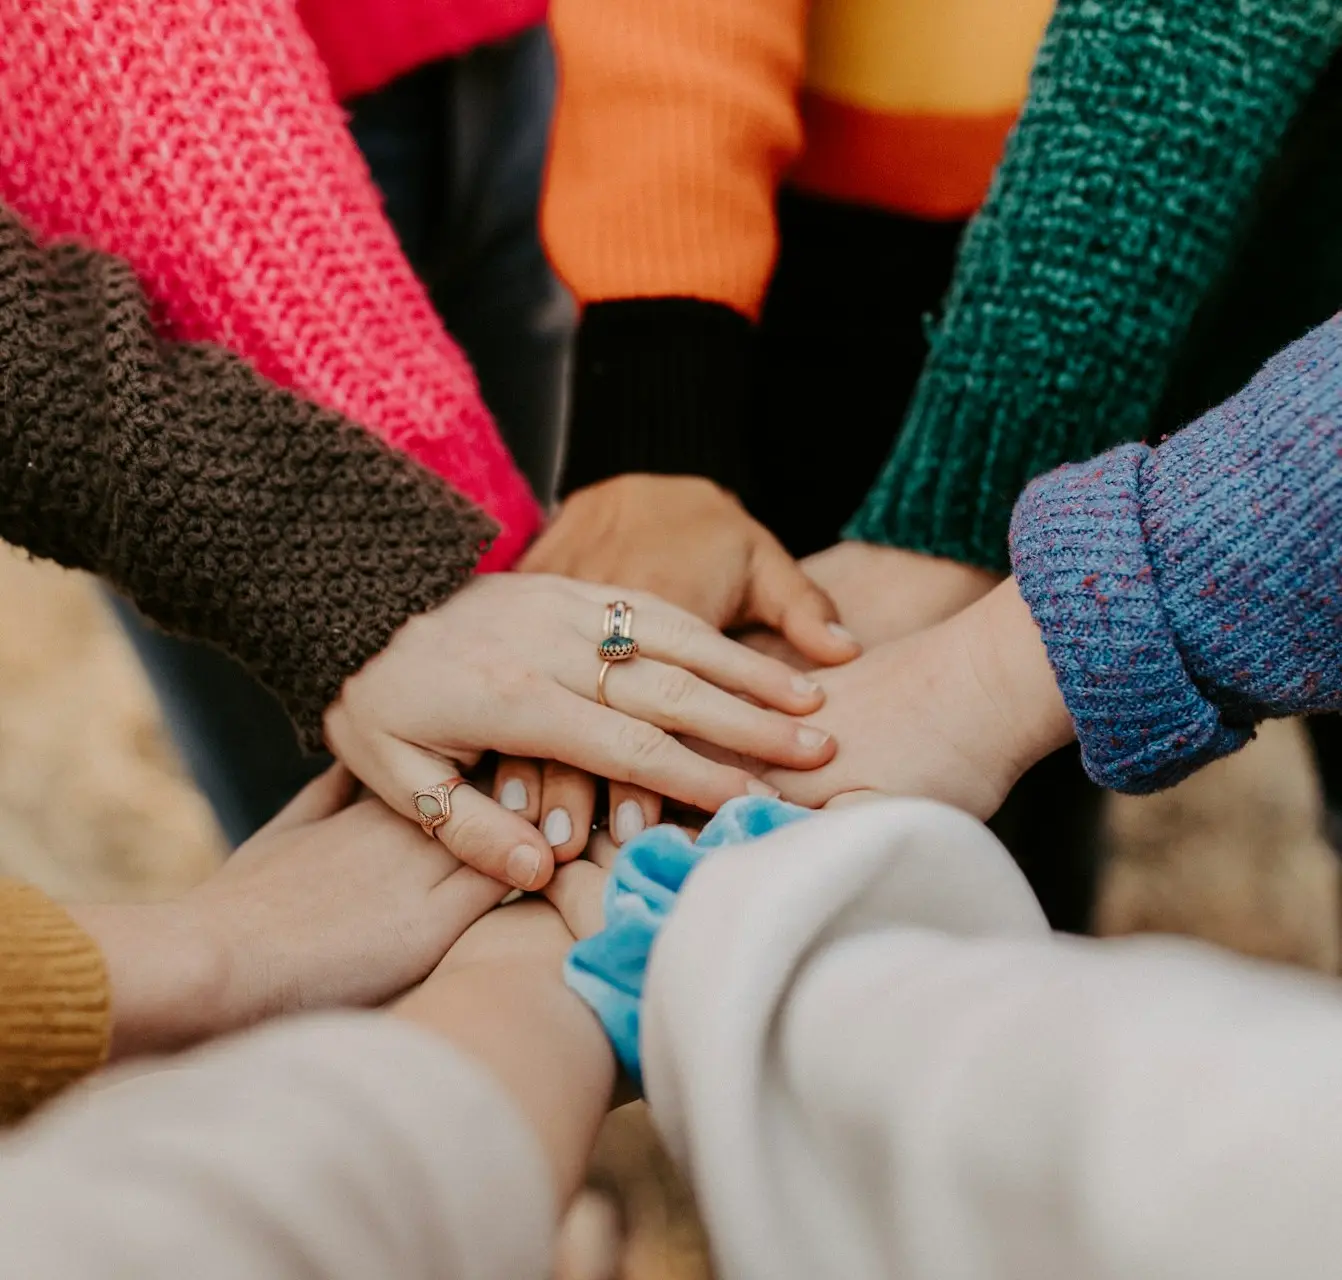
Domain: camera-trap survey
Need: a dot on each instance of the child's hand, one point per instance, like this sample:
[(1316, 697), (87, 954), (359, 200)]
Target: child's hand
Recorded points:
[(955, 713)]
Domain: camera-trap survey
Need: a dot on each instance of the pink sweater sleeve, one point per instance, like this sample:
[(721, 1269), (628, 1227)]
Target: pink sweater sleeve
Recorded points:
[(200, 140)]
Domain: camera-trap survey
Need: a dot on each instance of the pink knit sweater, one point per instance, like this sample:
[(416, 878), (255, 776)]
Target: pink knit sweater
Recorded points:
[(366, 43), (200, 140)]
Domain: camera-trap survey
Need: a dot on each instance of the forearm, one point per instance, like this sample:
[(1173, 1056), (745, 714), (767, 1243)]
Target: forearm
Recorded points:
[(1116, 205), (538, 1042), (343, 1147), (228, 180), (1187, 592), (226, 509), (499, 997)]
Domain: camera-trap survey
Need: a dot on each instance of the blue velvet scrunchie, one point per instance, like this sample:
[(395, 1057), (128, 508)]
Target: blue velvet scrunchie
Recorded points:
[(607, 970)]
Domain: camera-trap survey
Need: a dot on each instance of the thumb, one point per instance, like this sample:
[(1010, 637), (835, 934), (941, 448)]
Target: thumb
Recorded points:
[(325, 795), (784, 599)]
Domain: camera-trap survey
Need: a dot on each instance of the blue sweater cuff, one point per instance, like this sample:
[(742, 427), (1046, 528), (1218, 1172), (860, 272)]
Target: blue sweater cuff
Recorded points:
[(608, 969), (1082, 564)]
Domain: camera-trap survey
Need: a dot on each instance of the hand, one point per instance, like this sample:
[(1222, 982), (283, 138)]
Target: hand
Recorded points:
[(510, 664), (886, 593), (956, 712), (326, 905), (499, 995), (691, 543)]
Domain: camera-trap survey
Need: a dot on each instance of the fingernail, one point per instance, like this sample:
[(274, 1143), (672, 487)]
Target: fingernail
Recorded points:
[(757, 788), (628, 821), (804, 686), (514, 795), (812, 739), (842, 632), (524, 864), (558, 827)]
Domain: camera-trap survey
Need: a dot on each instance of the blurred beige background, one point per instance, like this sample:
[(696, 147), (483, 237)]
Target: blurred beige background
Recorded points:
[(94, 805)]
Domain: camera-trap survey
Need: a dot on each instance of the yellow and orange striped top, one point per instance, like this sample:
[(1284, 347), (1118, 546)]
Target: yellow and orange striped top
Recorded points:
[(677, 120)]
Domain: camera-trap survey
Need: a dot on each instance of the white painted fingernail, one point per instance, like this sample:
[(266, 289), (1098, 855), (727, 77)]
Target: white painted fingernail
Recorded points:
[(524, 864), (558, 827), (628, 821), (804, 686), (842, 632), (757, 788), (812, 739), (514, 795)]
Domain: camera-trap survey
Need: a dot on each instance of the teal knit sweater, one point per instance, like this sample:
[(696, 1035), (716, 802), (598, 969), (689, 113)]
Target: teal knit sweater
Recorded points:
[(1129, 175)]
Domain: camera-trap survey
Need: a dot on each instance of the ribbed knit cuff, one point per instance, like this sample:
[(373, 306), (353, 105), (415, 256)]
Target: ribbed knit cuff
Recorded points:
[(660, 385), (55, 1004), (1082, 565)]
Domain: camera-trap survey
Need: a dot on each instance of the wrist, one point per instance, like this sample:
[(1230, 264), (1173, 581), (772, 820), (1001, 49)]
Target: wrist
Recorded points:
[(1015, 675), (169, 975), (515, 1017)]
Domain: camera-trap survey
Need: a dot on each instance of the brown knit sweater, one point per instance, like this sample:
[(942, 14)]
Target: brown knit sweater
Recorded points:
[(229, 511)]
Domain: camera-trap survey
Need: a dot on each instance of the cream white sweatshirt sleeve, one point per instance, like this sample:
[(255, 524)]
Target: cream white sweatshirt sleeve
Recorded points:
[(874, 1061), (342, 1147)]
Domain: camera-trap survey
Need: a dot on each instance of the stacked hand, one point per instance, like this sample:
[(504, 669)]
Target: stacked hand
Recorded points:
[(510, 664)]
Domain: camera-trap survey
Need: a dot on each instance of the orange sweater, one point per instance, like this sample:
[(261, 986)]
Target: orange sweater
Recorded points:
[(677, 121)]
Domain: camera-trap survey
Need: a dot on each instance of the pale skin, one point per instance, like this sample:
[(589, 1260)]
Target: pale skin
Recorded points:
[(730, 571), (509, 664)]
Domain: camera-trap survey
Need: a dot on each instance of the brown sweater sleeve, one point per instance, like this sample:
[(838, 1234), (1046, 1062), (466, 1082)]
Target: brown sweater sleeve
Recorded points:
[(226, 509), (55, 1006)]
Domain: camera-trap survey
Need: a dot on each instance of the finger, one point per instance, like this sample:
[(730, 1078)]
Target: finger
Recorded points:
[(517, 787), (679, 701), (784, 598), (325, 795), (671, 635), (484, 835), (461, 900), (576, 892), (618, 747), (632, 809), (602, 849), (568, 800)]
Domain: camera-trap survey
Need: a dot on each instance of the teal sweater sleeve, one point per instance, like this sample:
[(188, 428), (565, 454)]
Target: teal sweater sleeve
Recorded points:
[(1148, 127)]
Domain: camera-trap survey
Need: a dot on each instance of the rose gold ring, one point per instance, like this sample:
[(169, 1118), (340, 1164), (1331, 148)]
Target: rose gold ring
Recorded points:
[(433, 805)]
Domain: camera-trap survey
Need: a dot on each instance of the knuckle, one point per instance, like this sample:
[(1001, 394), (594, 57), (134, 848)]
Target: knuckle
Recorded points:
[(679, 631), (676, 687), (472, 834), (640, 743)]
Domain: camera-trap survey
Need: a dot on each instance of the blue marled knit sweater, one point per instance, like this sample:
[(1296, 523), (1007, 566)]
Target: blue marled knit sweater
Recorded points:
[(1189, 591)]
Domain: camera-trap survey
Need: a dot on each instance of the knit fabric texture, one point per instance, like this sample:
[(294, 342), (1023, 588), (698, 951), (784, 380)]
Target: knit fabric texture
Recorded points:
[(55, 1004), (608, 969), (1148, 127), (228, 510), (200, 140), (1187, 592)]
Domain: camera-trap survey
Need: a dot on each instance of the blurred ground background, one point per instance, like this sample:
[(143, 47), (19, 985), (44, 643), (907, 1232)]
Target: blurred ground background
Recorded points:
[(94, 805)]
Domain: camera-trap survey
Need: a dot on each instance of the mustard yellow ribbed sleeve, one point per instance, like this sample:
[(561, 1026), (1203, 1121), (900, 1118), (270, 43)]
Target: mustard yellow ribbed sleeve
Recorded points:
[(55, 1003)]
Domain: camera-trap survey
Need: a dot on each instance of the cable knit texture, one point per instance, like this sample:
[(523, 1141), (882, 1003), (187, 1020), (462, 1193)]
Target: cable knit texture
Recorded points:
[(200, 140), (1147, 130), (227, 509), (1187, 592), (55, 1004)]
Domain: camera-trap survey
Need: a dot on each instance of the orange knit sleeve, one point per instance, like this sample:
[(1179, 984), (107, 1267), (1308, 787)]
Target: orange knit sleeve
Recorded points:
[(675, 122), (55, 1005)]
